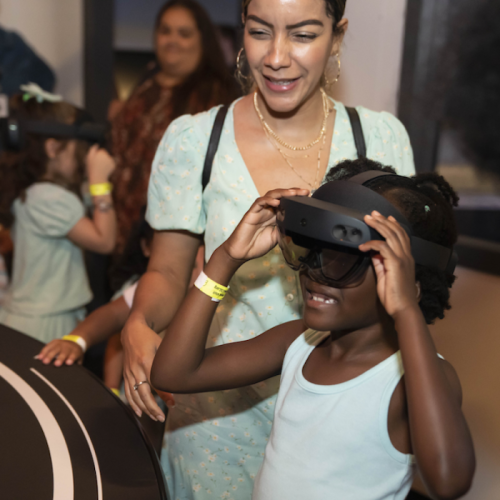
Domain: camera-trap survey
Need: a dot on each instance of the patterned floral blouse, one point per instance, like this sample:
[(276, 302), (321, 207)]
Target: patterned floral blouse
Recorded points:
[(214, 442)]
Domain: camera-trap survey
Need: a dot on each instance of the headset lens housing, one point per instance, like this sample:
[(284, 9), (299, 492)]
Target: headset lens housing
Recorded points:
[(337, 267)]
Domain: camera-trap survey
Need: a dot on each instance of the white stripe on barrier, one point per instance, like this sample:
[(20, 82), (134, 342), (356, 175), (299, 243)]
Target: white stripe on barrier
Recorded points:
[(84, 430), (59, 454)]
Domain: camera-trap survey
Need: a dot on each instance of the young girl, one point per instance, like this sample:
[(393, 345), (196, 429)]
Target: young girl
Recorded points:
[(40, 198), (106, 322), (364, 398)]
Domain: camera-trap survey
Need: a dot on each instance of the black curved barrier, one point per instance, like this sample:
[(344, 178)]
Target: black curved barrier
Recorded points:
[(65, 436)]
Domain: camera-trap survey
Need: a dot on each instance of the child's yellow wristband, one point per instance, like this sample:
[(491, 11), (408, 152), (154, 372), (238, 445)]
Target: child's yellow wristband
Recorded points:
[(116, 392), (210, 287), (101, 189), (77, 340)]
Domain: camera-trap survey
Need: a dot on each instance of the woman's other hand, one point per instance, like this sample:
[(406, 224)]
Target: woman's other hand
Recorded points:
[(257, 233), (100, 165), (61, 352), (140, 344)]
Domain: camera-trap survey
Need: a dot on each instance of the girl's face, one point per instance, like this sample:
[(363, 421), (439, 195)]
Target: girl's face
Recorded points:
[(287, 45), (340, 309), (178, 43)]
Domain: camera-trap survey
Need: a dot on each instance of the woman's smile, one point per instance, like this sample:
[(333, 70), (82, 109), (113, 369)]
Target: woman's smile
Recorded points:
[(280, 84)]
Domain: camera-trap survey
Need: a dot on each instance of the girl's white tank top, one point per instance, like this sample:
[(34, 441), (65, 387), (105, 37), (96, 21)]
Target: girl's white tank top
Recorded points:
[(332, 441)]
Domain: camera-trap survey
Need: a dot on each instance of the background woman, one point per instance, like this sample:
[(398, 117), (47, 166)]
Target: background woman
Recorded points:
[(192, 77), (285, 134)]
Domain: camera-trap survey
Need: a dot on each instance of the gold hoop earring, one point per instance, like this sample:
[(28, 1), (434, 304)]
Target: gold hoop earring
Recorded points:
[(338, 73), (239, 73)]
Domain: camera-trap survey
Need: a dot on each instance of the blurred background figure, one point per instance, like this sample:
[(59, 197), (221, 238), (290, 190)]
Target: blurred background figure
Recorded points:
[(472, 104), (190, 75), (41, 180), (19, 64)]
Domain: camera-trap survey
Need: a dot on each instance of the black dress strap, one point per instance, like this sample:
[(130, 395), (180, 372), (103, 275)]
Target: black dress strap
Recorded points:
[(357, 131), (213, 145)]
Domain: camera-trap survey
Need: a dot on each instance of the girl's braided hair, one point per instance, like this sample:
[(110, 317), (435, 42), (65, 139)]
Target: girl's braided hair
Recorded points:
[(427, 201)]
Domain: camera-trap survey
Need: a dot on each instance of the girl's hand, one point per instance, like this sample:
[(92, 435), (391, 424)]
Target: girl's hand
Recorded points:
[(62, 351), (257, 233), (100, 165), (393, 263)]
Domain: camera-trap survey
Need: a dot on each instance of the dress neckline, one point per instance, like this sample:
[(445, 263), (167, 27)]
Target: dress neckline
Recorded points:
[(339, 109)]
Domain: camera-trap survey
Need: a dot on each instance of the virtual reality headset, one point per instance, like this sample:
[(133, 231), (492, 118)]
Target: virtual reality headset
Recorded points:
[(322, 234), (13, 131)]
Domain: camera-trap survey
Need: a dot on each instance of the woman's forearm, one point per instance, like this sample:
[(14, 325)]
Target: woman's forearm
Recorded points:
[(156, 300), (440, 436)]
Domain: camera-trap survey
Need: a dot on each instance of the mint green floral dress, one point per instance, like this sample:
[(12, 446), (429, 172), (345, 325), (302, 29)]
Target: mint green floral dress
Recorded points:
[(214, 442)]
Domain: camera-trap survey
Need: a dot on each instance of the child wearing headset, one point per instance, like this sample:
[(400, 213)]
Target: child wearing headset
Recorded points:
[(365, 400), (40, 200)]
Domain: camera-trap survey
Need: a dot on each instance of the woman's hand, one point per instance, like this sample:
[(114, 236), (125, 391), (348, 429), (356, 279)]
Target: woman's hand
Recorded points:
[(100, 165), (257, 233), (61, 352), (393, 263), (140, 344)]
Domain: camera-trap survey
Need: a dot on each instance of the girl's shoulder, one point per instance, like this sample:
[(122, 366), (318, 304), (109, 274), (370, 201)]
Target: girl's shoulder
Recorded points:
[(50, 209)]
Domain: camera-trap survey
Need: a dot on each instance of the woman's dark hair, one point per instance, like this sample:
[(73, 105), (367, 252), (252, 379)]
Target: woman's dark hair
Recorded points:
[(427, 201), (132, 262), (211, 83), (20, 169), (472, 99), (334, 8)]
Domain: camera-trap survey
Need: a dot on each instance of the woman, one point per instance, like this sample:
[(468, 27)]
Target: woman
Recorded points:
[(214, 443), (192, 77)]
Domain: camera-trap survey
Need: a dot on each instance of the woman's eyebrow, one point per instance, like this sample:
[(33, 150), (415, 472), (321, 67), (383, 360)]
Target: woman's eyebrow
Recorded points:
[(308, 22), (315, 22)]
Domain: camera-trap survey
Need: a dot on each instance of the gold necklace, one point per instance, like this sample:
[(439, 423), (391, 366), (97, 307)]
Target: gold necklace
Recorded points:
[(281, 141), (276, 141)]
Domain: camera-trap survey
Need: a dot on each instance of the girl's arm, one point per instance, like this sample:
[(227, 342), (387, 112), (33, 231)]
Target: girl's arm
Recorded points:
[(113, 363), (95, 328), (99, 233), (440, 437), (182, 364)]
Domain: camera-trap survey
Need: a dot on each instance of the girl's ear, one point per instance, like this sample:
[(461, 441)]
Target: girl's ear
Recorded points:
[(146, 250), (52, 148), (419, 290)]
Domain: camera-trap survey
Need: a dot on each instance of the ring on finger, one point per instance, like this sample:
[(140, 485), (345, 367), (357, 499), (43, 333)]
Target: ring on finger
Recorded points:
[(136, 386)]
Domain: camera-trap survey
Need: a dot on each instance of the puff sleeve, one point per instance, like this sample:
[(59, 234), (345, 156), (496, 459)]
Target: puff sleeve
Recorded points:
[(52, 210), (387, 141), (175, 191)]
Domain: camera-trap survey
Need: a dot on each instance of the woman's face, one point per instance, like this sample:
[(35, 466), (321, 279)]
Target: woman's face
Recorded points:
[(288, 44), (178, 43)]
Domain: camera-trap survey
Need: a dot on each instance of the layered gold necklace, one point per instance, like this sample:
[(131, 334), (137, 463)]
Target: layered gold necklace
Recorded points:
[(280, 143)]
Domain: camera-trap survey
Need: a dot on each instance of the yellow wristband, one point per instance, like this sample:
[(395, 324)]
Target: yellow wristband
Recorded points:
[(116, 392), (210, 287), (77, 340), (101, 189)]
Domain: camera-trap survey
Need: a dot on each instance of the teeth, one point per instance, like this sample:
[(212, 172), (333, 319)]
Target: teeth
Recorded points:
[(321, 299), (282, 82)]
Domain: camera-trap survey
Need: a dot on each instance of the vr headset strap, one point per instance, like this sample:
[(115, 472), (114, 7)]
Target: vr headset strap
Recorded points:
[(357, 131), (213, 145)]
